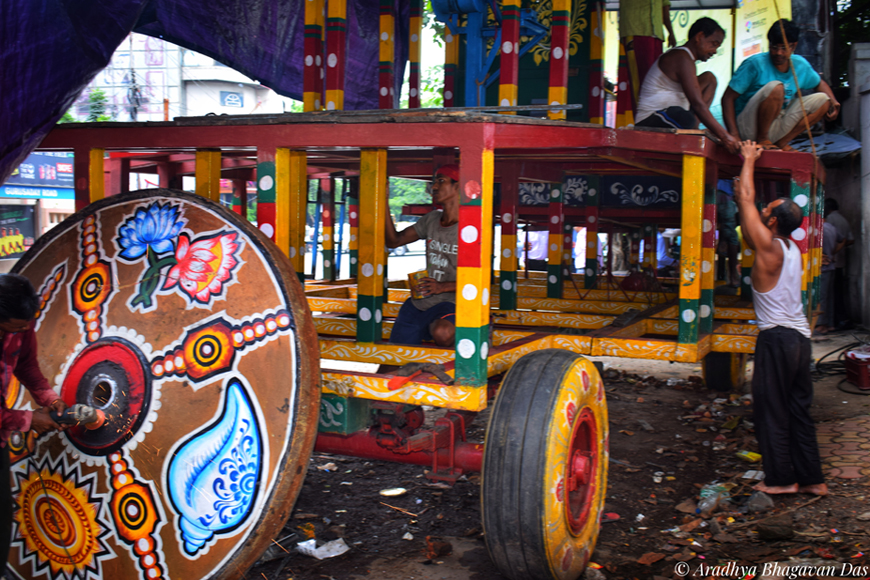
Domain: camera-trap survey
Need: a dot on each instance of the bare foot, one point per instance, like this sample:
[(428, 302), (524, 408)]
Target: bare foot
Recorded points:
[(767, 145), (786, 147), (815, 489), (776, 489)]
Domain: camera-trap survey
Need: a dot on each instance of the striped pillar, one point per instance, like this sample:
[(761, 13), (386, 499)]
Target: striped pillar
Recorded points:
[(336, 48), (816, 248), (312, 76), (373, 212), (708, 249), (624, 103), (597, 100), (291, 168), (208, 174), (690, 249), (451, 65), (747, 259), (353, 220), (590, 277), (650, 246), (634, 247), (555, 241), (416, 33), (327, 216), (800, 194), (240, 197), (510, 195), (560, 29), (510, 49), (386, 84), (474, 265), (266, 211)]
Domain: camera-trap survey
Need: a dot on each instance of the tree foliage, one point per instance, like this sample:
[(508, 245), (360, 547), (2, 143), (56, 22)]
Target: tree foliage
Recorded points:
[(851, 24), (98, 106), (406, 192)]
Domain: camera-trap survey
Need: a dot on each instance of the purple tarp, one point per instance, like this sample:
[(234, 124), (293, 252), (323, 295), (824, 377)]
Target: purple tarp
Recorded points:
[(51, 49)]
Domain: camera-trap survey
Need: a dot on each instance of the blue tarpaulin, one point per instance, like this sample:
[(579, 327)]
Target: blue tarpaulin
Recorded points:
[(51, 49)]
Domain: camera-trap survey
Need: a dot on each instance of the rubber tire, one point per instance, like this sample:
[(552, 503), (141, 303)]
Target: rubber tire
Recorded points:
[(725, 371), (527, 532)]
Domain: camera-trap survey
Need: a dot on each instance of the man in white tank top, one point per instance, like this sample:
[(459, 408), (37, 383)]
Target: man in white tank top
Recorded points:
[(673, 95), (782, 389)]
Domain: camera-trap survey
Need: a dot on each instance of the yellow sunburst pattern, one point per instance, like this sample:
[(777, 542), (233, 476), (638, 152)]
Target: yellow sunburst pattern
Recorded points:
[(58, 529)]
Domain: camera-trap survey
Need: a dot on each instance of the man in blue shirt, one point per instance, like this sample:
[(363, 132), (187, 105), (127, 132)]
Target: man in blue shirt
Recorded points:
[(759, 103)]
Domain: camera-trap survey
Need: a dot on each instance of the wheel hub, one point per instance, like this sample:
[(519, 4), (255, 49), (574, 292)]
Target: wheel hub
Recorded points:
[(581, 469)]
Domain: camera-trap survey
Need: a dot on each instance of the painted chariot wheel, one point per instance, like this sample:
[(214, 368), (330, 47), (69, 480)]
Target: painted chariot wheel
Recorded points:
[(190, 330), (545, 467)]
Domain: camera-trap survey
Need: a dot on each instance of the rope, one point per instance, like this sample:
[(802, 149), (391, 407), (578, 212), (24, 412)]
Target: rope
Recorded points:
[(797, 86)]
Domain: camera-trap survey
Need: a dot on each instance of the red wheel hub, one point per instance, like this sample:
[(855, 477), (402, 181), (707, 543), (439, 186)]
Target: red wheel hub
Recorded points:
[(580, 470)]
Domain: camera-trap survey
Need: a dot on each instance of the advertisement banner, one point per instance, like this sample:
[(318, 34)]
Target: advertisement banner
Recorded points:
[(44, 169), (754, 19), (16, 230)]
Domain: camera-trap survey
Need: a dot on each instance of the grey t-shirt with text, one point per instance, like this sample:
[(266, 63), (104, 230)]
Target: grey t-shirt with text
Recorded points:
[(442, 247)]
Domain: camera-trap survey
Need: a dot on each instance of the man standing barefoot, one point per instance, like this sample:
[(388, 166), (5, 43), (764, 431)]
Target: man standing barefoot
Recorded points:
[(782, 389)]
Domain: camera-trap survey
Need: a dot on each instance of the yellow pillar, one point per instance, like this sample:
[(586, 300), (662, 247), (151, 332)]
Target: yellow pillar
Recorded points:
[(208, 174)]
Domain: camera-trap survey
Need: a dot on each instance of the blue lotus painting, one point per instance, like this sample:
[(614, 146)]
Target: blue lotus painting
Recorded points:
[(214, 476)]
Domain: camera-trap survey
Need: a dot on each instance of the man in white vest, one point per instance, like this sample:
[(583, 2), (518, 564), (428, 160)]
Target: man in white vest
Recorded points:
[(782, 389)]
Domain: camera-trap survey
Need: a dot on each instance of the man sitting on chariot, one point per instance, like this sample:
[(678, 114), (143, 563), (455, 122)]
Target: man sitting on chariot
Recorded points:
[(433, 316), (675, 96)]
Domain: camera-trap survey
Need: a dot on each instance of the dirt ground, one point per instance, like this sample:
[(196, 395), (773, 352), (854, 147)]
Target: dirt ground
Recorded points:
[(669, 436)]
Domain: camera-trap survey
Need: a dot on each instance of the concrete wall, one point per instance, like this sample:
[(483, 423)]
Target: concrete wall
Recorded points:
[(859, 74)]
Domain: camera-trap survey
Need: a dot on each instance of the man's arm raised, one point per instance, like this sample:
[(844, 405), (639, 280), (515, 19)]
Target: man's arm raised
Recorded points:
[(757, 236), (394, 239)]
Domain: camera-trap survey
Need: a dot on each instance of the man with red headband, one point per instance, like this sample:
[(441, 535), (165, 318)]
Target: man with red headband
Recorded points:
[(432, 317)]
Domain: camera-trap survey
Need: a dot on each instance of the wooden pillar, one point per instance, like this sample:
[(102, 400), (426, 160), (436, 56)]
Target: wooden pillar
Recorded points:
[(451, 65), (414, 51), (800, 192), (590, 277), (208, 174), (510, 195), (510, 48), (373, 212), (555, 241), (597, 97), (266, 211), (89, 176), (634, 248), (816, 239), (650, 246), (708, 249), (296, 176), (167, 175), (690, 250), (624, 101), (327, 215), (386, 83), (336, 57), (747, 259), (240, 196), (474, 265), (312, 76), (353, 220), (118, 174), (560, 30)]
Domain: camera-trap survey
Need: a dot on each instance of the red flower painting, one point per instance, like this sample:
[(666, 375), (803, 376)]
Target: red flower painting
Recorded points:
[(204, 265)]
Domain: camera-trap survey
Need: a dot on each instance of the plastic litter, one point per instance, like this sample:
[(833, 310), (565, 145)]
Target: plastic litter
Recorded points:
[(749, 456), (327, 550), (712, 496), (759, 502), (393, 492)]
